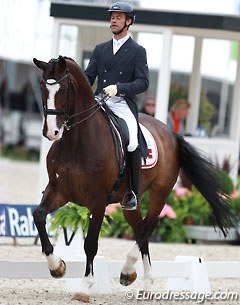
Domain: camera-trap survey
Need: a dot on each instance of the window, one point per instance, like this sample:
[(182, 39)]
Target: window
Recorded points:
[(218, 70)]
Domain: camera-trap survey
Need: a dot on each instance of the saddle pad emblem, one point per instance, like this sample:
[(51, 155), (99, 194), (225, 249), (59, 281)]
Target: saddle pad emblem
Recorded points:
[(152, 149)]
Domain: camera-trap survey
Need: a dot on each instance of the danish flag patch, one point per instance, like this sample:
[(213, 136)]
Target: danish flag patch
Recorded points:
[(152, 149)]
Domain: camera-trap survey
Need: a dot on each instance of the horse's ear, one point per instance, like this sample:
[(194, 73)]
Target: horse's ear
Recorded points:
[(62, 63), (40, 64)]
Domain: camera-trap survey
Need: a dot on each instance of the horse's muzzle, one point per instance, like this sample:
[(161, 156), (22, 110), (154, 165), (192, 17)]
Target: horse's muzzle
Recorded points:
[(53, 135)]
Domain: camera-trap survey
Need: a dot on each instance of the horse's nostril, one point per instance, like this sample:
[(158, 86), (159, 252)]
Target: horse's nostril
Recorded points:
[(56, 132)]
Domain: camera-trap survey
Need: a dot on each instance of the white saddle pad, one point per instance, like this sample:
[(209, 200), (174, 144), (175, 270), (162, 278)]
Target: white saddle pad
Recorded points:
[(152, 149)]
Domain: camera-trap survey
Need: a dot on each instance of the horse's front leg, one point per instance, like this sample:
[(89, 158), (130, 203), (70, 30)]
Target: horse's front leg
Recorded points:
[(56, 265), (128, 273), (90, 247)]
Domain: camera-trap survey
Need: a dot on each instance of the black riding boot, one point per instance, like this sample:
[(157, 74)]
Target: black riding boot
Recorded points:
[(130, 200)]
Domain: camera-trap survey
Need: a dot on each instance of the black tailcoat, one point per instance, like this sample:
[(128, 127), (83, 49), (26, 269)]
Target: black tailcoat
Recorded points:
[(127, 69)]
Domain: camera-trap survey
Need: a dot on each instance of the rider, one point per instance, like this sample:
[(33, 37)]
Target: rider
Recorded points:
[(121, 67)]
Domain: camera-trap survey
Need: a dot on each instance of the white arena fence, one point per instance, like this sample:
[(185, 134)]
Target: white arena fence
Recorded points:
[(190, 275), (16, 269), (185, 273)]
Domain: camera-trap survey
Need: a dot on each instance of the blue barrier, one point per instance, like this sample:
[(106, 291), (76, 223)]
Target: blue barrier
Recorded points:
[(17, 221)]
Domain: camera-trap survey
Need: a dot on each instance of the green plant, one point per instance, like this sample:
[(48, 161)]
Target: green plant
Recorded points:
[(234, 204), (190, 207), (176, 92), (167, 229), (19, 153), (224, 181), (170, 231), (73, 216), (206, 111), (118, 227), (193, 208)]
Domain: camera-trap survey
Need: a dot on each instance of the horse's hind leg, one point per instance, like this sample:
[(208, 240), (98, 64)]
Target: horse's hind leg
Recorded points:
[(147, 268), (157, 201), (49, 204)]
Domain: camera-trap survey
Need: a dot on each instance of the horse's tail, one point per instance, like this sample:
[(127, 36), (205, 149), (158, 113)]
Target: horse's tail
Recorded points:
[(202, 173)]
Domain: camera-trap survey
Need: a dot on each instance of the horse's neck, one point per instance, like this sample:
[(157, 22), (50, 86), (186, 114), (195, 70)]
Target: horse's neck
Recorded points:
[(83, 138), (84, 98), (92, 120)]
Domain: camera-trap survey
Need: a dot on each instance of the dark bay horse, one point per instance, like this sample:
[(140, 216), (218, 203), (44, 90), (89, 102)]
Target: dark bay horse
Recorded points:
[(82, 168)]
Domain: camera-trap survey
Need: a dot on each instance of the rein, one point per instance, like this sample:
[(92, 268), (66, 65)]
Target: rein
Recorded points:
[(67, 118)]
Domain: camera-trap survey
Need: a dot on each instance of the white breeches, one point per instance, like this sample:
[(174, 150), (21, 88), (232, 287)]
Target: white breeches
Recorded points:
[(120, 107)]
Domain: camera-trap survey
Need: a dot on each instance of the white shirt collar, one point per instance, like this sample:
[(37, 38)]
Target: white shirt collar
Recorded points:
[(118, 43)]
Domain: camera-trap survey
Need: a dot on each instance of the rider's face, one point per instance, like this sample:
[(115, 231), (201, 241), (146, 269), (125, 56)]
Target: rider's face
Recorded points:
[(118, 20)]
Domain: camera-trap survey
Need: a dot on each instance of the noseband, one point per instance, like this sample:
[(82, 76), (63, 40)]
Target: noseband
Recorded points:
[(67, 117)]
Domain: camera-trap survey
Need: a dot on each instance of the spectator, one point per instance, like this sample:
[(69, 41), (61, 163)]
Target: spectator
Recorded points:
[(149, 106), (177, 115)]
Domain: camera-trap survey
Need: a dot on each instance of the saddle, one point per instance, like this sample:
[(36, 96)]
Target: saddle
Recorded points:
[(120, 136)]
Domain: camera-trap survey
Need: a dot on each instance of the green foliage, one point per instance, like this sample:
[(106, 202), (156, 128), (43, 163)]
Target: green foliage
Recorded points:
[(206, 112), (176, 92), (234, 204), (73, 216), (19, 153), (225, 182), (118, 225), (190, 208), (167, 230)]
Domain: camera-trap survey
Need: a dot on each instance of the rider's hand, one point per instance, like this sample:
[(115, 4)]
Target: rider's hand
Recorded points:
[(110, 90)]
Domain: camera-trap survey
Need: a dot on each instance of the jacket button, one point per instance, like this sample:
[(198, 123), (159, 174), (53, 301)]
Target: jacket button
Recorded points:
[(120, 72), (104, 80), (105, 71)]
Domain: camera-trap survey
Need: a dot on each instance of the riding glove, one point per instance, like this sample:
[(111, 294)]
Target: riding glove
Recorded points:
[(111, 90)]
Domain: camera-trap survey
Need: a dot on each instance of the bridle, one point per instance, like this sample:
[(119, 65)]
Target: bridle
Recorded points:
[(66, 111)]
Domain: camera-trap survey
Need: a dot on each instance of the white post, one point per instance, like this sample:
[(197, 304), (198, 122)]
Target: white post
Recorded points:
[(164, 78), (195, 87), (79, 51), (235, 115), (56, 38)]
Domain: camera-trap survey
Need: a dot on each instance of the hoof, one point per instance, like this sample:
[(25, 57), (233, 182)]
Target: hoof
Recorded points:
[(83, 297), (60, 271), (127, 279)]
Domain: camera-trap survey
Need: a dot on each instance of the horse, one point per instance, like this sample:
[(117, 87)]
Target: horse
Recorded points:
[(83, 168)]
